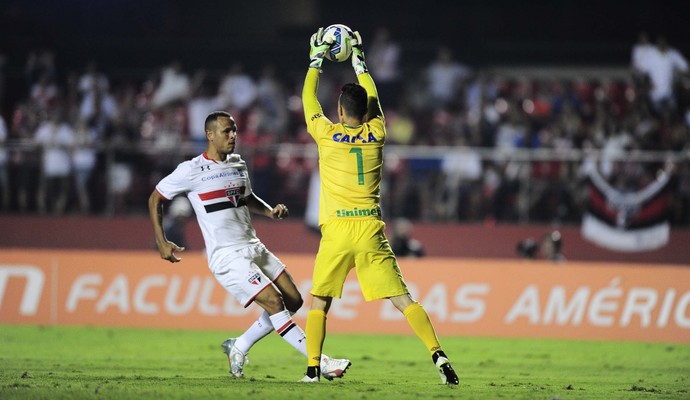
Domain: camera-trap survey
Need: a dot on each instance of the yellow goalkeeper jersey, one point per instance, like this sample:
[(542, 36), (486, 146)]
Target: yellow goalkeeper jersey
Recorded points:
[(350, 157)]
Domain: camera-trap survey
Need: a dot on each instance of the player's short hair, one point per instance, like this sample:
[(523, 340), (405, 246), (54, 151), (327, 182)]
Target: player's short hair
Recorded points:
[(213, 117), (353, 99)]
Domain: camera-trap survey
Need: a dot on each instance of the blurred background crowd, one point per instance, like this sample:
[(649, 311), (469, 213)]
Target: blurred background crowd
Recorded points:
[(467, 141)]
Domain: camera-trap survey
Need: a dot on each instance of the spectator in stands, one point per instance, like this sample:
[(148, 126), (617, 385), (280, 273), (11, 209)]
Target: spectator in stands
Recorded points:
[(506, 198), (551, 199), (238, 90), (461, 172), (480, 113), (512, 130), (165, 135), (86, 147), (97, 107), (568, 122), (617, 142), (665, 64), (120, 178), (132, 104), (123, 141), (23, 124), (384, 59), (44, 92), (271, 99), (401, 126), (56, 139), (174, 85), (584, 112), (202, 102), (40, 64), (642, 52), (92, 80), (445, 77)]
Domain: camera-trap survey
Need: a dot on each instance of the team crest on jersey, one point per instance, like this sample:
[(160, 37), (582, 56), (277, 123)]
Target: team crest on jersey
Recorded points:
[(233, 194), (255, 279), (223, 199)]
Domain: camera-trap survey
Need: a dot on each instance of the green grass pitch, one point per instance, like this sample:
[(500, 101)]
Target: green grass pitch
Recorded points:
[(39, 362)]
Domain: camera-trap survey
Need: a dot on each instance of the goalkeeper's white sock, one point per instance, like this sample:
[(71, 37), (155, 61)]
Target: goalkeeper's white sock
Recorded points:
[(289, 331), (260, 328)]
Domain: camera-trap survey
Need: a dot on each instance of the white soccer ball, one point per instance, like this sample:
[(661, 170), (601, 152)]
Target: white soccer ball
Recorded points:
[(341, 36)]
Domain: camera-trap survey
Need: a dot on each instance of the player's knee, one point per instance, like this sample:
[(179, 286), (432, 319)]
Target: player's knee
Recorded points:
[(402, 302), (293, 304), (273, 304)]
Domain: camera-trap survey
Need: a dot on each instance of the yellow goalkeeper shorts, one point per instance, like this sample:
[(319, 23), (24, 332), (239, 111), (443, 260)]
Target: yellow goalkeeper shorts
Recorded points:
[(359, 244)]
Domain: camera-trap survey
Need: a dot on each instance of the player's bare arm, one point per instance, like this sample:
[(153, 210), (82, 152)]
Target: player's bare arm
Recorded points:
[(166, 248)]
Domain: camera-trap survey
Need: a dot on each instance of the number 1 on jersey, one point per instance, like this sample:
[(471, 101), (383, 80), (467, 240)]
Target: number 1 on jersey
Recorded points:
[(360, 164)]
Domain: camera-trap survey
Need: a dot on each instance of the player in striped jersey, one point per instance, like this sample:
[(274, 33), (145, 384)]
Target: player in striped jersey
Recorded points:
[(352, 227), (218, 188)]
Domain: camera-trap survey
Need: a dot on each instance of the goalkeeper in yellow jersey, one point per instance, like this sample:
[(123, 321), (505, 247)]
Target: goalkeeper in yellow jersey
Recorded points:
[(352, 228)]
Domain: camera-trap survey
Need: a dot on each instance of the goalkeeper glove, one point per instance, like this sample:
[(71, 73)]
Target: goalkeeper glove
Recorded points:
[(358, 55), (318, 49)]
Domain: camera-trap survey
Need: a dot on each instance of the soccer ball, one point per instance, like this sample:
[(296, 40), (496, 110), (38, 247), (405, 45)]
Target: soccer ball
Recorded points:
[(341, 36)]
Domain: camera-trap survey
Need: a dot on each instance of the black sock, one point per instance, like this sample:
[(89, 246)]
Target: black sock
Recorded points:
[(313, 372), (438, 354)]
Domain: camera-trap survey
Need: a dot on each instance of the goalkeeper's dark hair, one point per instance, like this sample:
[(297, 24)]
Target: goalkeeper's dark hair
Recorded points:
[(353, 99), (213, 117)]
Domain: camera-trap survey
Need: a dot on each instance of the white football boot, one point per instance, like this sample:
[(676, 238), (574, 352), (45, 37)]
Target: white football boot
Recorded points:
[(236, 358), (334, 367)]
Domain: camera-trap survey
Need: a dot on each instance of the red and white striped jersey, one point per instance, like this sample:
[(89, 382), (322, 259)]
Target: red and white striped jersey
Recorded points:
[(217, 192)]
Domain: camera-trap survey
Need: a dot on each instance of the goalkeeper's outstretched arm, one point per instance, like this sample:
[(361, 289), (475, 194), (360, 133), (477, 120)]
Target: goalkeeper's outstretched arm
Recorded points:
[(374, 105), (310, 101), (358, 64)]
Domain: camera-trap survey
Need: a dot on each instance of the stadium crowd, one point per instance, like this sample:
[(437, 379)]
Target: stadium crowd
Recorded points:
[(468, 144)]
